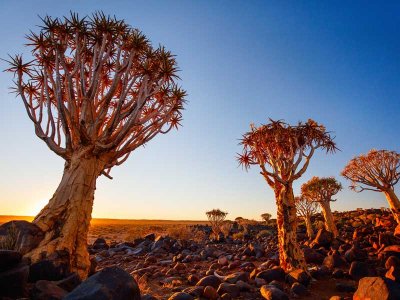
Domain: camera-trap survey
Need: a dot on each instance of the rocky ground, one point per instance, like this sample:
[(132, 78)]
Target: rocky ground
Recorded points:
[(362, 263)]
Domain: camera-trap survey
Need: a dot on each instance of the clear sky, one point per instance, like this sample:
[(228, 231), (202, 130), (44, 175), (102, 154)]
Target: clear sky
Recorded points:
[(242, 62)]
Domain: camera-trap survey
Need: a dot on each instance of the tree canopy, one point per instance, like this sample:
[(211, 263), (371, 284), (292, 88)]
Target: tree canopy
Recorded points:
[(95, 83)]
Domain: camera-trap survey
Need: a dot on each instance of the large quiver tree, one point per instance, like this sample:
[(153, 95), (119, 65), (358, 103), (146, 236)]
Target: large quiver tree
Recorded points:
[(322, 190), (378, 171), (283, 152), (95, 91)]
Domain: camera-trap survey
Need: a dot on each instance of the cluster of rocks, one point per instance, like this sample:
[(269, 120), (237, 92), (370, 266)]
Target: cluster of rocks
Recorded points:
[(363, 262)]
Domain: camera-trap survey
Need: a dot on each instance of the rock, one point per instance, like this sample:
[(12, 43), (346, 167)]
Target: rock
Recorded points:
[(376, 288), (150, 237), (235, 277), (336, 298), (69, 283), (193, 279), (355, 254), (345, 287), (56, 267), (180, 296), (47, 290), (13, 282), (226, 297), (300, 276), (276, 273), (195, 291), (298, 289), (109, 283), (392, 261), (148, 297), (100, 243), (270, 292), (393, 273), (358, 270), (338, 273), (28, 235), (312, 256), (229, 288), (9, 259), (210, 280), (223, 261), (210, 293), (334, 261), (322, 239)]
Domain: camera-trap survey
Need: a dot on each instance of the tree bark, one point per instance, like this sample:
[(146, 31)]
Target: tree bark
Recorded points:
[(290, 255), (310, 231), (66, 218), (394, 204), (329, 220)]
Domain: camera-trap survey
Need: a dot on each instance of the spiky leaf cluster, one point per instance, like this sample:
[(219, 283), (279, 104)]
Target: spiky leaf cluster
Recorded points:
[(320, 189), (279, 148), (378, 170), (97, 82)]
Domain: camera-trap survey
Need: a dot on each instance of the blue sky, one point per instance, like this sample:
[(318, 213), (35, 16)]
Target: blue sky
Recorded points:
[(242, 62)]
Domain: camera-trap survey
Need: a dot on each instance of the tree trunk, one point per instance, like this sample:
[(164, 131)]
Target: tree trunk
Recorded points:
[(310, 231), (66, 218), (329, 220), (394, 204), (290, 254)]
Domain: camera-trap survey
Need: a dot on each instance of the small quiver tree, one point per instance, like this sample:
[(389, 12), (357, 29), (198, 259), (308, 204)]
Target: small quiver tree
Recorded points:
[(266, 217), (216, 218), (378, 171), (306, 209), (96, 90), (283, 152), (321, 190)]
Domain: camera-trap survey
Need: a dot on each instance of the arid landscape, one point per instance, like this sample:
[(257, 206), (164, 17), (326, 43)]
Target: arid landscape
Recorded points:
[(236, 150)]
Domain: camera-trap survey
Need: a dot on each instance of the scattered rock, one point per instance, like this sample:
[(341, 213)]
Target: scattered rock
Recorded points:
[(109, 283), (376, 288), (270, 292)]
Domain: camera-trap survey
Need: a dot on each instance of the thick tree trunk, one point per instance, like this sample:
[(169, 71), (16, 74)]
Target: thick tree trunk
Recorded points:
[(66, 218), (329, 220), (394, 204), (290, 254), (310, 231)]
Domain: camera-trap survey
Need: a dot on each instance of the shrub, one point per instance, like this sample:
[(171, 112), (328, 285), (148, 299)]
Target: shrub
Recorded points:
[(9, 241)]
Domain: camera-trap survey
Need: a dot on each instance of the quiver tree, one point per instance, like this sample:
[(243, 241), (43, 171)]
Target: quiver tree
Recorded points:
[(216, 218), (266, 217), (306, 209), (321, 190), (283, 152), (95, 91), (378, 171)]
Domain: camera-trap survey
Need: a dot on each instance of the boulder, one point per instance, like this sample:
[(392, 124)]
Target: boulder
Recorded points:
[(377, 288), (270, 292), (210, 293), (13, 282), (100, 244), (109, 283), (276, 273), (47, 290), (9, 259), (299, 276), (210, 280), (229, 288), (298, 289), (334, 261), (359, 270), (322, 239), (55, 267), (27, 235), (312, 256), (181, 296)]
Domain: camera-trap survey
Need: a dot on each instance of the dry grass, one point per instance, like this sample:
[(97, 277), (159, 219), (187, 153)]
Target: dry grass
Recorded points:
[(9, 241)]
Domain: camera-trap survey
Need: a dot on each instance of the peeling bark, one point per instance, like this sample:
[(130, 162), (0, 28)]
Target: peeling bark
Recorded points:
[(394, 204), (66, 218), (290, 255), (329, 220)]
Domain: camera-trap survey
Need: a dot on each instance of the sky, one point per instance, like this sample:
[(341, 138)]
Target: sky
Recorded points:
[(242, 62)]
